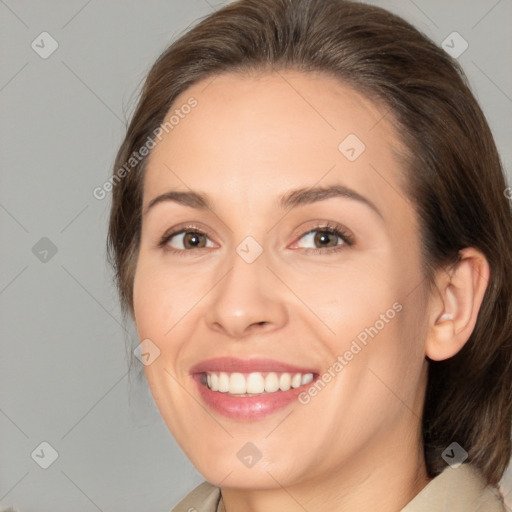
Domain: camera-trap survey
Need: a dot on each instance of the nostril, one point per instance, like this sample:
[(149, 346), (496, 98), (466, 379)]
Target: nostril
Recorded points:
[(260, 324)]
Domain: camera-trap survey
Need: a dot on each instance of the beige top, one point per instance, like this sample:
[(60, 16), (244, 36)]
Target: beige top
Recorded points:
[(454, 490)]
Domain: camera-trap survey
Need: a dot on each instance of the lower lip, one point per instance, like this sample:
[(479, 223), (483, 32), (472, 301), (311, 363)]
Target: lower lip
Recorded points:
[(248, 407)]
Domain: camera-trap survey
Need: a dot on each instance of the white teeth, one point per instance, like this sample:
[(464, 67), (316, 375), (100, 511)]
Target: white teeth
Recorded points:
[(271, 382), (296, 380), (214, 381), (255, 383), (306, 379), (237, 384), (223, 382), (285, 382)]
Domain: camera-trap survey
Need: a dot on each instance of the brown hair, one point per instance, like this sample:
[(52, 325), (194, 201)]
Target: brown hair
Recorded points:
[(454, 177)]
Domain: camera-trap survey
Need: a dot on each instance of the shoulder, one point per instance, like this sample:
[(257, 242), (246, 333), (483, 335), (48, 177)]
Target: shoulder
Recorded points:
[(461, 489), (204, 498)]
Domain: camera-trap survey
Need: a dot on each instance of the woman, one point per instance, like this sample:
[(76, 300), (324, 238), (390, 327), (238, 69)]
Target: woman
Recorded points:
[(310, 232)]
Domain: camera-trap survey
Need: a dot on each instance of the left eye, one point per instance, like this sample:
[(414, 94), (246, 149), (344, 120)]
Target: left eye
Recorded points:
[(188, 240), (324, 237)]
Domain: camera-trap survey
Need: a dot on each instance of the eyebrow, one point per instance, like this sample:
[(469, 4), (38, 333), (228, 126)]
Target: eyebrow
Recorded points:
[(310, 195), (292, 199)]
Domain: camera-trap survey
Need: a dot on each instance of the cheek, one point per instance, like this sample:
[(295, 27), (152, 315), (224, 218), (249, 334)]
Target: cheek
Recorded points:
[(161, 302), (377, 313), (355, 300), (145, 301), (160, 298)]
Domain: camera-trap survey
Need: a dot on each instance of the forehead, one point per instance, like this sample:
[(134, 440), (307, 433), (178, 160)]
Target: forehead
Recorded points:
[(273, 131)]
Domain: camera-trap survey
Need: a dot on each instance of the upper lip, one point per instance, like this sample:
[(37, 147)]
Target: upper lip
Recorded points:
[(232, 364)]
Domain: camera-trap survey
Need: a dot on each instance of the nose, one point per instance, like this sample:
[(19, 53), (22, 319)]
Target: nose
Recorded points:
[(247, 300)]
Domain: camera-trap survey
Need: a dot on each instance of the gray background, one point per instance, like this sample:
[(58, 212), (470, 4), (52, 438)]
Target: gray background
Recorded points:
[(64, 375)]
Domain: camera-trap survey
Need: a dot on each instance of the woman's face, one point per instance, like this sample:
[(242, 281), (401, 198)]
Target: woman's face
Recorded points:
[(255, 294)]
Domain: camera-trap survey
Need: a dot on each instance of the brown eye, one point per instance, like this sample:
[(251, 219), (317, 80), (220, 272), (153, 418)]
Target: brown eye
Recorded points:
[(323, 238), (187, 240), (326, 239)]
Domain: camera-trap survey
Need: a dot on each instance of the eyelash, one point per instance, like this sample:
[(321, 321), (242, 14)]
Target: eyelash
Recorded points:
[(332, 229)]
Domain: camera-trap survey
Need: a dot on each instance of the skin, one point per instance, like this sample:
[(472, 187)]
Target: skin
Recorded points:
[(250, 140)]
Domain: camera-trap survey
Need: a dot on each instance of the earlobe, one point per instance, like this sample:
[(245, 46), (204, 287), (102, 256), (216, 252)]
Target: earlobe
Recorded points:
[(453, 313)]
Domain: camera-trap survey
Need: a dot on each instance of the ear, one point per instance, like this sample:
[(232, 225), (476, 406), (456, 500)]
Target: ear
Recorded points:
[(453, 313)]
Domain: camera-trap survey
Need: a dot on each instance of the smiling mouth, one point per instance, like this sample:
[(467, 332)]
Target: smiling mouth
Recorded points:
[(254, 383)]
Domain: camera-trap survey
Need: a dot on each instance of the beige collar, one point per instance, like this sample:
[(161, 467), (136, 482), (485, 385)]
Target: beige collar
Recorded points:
[(457, 490)]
